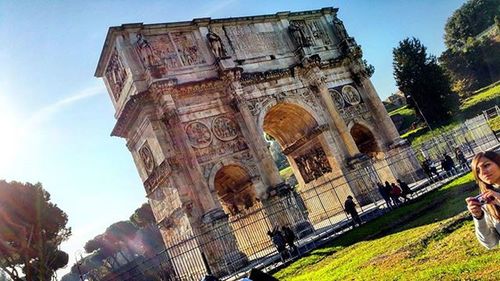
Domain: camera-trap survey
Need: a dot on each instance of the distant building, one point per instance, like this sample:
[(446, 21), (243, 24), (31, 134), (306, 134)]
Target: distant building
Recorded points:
[(397, 99)]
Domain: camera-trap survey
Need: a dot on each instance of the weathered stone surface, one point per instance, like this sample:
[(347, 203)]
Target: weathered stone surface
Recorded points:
[(193, 99)]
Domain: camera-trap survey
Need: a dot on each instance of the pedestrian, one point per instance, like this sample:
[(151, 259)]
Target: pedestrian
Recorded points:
[(485, 208), (350, 208), (449, 164), (405, 189), (384, 194), (398, 192), (279, 242), (290, 239), (459, 155), (394, 198)]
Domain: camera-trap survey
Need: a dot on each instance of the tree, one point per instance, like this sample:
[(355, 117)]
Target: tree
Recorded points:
[(471, 59), (150, 236), (31, 230), (474, 66), (423, 81), (468, 21), (113, 242)]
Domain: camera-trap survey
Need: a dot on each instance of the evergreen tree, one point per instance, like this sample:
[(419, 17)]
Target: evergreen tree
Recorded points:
[(31, 230), (423, 81)]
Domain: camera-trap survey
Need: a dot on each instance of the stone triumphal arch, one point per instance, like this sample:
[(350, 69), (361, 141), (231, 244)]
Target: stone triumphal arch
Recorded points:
[(194, 99)]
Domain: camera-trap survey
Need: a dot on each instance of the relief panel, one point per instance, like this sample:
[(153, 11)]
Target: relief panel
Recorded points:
[(215, 136), (116, 75), (163, 53), (313, 164)]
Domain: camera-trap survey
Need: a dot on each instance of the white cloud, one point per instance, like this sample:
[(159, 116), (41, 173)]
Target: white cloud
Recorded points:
[(46, 112)]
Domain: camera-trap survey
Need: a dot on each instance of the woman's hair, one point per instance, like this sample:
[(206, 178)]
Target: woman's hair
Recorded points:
[(494, 210)]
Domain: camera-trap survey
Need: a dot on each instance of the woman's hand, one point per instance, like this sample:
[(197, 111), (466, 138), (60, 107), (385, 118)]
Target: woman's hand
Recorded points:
[(474, 207), (492, 197)]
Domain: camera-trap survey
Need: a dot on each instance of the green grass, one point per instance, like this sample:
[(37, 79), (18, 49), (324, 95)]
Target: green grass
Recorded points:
[(425, 134), (408, 115), (495, 124), (431, 239), (404, 110), (469, 108), (488, 95), (286, 172)]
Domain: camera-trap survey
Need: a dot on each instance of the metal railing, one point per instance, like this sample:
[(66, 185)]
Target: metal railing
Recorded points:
[(239, 243)]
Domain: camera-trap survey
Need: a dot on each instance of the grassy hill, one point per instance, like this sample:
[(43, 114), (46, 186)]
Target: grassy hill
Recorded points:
[(430, 239), (483, 99)]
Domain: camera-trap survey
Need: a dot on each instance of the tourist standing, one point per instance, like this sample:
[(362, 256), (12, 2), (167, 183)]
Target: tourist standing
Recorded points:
[(405, 189), (350, 208), (393, 194), (485, 208), (279, 242), (290, 239), (385, 195), (398, 192), (461, 159)]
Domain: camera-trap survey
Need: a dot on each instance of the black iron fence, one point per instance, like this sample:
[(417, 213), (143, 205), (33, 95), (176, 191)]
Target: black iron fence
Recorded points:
[(235, 244)]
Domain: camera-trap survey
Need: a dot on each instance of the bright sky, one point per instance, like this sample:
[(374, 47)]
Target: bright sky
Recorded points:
[(56, 118)]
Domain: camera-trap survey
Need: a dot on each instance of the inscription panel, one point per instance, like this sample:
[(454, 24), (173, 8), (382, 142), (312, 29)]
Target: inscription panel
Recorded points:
[(253, 40)]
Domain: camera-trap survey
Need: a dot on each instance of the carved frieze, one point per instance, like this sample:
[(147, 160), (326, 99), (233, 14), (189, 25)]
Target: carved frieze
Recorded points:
[(351, 95), (220, 148), (355, 111), (256, 105), (337, 98), (116, 75), (260, 77), (223, 137), (157, 176), (187, 48), (309, 33), (305, 95), (161, 53), (313, 164), (298, 31)]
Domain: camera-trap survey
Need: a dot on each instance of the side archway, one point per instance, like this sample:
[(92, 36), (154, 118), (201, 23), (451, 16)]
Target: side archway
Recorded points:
[(365, 140), (234, 188)]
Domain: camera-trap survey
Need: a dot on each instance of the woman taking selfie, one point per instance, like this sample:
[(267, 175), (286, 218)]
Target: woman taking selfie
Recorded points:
[(485, 208)]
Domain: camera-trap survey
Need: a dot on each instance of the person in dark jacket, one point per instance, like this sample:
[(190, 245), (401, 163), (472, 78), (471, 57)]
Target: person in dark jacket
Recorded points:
[(392, 193), (398, 192), (350, 208), (290, 239), (279, 242), (405, 189), (383, 192)]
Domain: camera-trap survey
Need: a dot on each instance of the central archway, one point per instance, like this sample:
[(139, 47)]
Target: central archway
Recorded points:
[(287, 123), (296, 130)]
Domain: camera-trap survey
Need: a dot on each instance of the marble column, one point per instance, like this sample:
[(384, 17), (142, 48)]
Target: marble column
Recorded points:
[(314, 77), (265, 163), (388, 132)]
